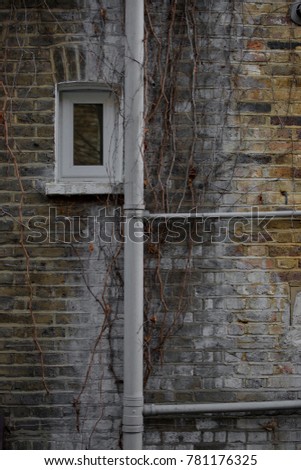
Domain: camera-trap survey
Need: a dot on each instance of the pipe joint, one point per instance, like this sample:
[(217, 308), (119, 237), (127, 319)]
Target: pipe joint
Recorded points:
[(133, 414), (137, 212), (296, 13)]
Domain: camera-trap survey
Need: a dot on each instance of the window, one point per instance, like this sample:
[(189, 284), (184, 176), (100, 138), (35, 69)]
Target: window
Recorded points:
[(89, 144), (88, 134)]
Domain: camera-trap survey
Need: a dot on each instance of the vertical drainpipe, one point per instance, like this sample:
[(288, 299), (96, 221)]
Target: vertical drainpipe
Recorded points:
[(133, 208)]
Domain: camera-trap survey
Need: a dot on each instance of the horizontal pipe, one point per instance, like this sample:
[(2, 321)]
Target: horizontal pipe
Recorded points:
[(224, 215), (152, 409)]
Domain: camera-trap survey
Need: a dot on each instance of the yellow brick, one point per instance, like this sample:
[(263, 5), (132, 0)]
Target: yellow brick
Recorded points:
[(294, 108), (287, 263)]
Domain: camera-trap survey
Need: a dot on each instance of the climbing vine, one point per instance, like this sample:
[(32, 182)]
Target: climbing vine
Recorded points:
[(197, 130)]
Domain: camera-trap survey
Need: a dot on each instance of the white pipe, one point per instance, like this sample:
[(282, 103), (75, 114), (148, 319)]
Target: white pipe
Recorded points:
[(133, 336), (133, 208), (134, 99), (151, 410), (224, 215)]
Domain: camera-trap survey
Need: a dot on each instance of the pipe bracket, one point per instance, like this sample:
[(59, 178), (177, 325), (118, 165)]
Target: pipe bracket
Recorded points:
[(133, 414)]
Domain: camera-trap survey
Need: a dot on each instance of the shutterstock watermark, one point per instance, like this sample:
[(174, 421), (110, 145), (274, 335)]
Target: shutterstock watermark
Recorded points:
[(111, 226)]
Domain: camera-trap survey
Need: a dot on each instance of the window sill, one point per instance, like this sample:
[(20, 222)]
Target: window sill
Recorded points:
[(72, 188)]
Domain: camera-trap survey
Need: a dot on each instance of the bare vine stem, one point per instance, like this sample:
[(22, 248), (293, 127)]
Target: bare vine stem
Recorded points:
[(105, 326)]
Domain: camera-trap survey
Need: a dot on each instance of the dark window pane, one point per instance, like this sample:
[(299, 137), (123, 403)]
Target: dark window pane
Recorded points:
[(88, 134)]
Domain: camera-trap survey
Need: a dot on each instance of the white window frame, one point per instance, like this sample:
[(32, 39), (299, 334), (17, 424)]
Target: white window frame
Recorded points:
[(87, 179)]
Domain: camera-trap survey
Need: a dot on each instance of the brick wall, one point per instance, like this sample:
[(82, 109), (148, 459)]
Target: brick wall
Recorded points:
[(54, 297), (230, 142), (222, 318)]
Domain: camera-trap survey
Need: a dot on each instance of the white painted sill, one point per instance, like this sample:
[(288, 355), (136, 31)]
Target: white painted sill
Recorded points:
[(73, 188)]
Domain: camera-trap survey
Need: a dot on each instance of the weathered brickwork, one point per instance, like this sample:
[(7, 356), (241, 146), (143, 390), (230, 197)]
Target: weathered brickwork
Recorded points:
[(248, 432), (54, 294), (222, 311), (233, 140)]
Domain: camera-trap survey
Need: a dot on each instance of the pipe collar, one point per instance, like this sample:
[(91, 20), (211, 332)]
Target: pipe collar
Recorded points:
[(133, 414), (296, 13)]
